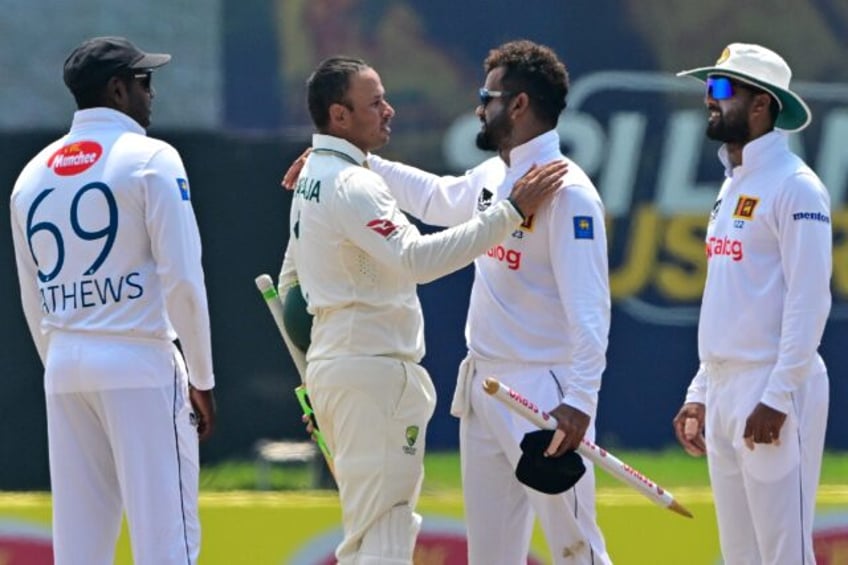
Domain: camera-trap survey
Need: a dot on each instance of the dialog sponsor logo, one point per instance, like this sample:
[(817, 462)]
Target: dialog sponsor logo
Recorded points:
[(75, 158), (511, 257), (724, 247), (24, 543)]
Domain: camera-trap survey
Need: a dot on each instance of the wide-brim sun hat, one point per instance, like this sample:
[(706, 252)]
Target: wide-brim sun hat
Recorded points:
[(765, 69)]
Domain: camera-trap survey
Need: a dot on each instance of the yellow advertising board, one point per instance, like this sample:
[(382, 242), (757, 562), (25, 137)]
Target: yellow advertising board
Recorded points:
[(303, 529)]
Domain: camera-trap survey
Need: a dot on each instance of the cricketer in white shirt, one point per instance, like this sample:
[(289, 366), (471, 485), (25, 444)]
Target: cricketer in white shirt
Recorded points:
[(358, 260), (538, 320), (108, 258), (765, 305)]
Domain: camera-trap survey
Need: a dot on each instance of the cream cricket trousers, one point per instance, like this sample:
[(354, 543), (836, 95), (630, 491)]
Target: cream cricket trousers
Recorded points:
[(130, 450), (499, 510), (764, 499), (373, 412)]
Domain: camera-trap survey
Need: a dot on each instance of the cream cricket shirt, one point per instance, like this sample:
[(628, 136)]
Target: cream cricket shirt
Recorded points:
[(541, 294), (106, 242), (768, 246), (359, 259)]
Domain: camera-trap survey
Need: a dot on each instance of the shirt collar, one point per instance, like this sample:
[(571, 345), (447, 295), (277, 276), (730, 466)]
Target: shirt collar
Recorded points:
[(102, 116), (539, 150), (344, 148), (756, 152)]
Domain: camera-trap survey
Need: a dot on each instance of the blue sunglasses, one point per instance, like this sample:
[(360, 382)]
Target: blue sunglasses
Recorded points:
[(719, 88)]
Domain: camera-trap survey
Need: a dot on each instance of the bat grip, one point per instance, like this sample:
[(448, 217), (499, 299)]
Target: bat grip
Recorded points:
[(306, 407)]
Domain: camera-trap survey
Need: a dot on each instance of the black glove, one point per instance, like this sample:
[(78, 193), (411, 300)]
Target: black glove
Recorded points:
[(550, 475)]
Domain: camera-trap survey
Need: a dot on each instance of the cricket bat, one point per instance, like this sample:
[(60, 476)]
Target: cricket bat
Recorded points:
[(265, 284)]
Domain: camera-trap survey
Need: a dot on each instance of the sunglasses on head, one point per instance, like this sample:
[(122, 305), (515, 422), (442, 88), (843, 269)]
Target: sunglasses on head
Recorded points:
[(719, 88), (487, 95)]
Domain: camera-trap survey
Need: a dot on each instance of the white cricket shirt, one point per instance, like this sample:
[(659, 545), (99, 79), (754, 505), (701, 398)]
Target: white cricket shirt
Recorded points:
[(359, 259), (106, 242), (540, 295), (767, 293)]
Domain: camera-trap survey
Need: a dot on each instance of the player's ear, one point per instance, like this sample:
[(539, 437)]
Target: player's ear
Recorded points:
[(116, 93), (761, 103), (519, 103), (339, 115)]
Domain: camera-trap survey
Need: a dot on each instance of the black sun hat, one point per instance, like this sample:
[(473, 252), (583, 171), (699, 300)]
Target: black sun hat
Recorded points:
[(98, 59)]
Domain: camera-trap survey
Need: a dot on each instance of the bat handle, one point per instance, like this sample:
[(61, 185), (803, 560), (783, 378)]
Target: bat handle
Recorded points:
[(306, 407)]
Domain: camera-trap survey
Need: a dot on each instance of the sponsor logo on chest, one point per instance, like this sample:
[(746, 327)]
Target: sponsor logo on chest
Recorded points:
[(510, 257), (724, 247)]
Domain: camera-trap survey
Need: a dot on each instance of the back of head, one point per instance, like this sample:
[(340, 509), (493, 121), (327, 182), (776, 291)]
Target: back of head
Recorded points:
[(91, 64), (328, 85), (536, 70)]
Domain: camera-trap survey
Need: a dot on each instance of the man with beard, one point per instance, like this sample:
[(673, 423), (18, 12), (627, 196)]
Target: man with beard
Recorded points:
[(758, 404), (358, 260), (538, 319)]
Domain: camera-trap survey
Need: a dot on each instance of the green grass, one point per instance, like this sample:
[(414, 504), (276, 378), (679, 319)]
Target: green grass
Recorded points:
[(669, 468), (247, 475), (244, 527)]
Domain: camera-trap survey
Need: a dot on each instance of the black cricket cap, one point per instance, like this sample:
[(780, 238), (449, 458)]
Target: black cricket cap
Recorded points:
[(550, 475), (98, 59)]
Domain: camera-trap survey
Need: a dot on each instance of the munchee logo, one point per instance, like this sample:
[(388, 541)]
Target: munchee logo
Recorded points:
[(75, 158)]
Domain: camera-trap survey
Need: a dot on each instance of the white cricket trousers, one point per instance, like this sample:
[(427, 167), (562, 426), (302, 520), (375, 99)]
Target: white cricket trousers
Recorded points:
[(765, 499), (499, 509), (130, 450), (373, 412)]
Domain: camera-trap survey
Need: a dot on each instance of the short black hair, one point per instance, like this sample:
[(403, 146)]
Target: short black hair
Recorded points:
[(328, 85), (536, 70)]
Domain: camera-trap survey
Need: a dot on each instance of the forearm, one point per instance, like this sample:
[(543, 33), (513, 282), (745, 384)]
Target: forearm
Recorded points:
[(435, 200), (187, 309), (431, 256)]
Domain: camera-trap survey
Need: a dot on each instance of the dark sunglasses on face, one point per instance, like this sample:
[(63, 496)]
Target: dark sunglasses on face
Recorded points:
[(144, 78), (719, 88), (487, 95)]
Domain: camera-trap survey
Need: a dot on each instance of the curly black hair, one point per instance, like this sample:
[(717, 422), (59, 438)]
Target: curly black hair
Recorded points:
[(535, 70)]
